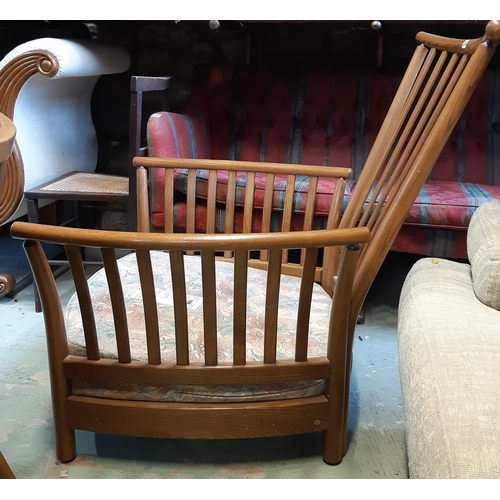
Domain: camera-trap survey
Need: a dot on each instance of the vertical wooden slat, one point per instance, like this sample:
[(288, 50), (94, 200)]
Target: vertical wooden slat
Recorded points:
[(336, 205), (387, 131), (142, 201), (191, 203), (230, 205), (427, 105), (83, 294), (331, 255), (211, 201), (180, 307), (240, 307), (311, 198), (248, 207), (150, 307), (209, 306), (117, 304), (309, 211), (424, 130), (288, 210), (267, 210), (169, 201), (304, 309), (288, 203), (272, 300)]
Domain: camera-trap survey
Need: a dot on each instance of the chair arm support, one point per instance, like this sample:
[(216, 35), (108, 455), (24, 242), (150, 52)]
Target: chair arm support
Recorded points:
[(248, 166), (187, 242)]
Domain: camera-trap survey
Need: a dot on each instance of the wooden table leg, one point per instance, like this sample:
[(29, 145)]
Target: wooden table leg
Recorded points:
[(34, 216)]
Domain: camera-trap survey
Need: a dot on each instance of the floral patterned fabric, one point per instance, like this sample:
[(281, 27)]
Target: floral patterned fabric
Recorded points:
[(289, 296)]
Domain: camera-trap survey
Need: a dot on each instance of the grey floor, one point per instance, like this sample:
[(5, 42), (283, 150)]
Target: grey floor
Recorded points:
[(376, 426)]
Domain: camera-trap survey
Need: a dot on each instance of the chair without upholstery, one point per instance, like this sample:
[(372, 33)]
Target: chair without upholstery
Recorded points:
[(438, 83)]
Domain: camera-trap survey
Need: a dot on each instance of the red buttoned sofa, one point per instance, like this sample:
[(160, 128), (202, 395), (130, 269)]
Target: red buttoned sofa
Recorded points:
[(321, 117)]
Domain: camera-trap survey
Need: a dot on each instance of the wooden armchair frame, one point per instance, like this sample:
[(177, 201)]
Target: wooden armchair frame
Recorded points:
[(251, 169), (434, 91), (192, 420)]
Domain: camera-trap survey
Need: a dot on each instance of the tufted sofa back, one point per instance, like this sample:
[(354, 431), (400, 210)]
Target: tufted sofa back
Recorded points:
[(331, 117)]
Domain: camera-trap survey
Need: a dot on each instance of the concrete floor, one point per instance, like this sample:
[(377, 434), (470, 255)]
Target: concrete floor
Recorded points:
[(376, 427)]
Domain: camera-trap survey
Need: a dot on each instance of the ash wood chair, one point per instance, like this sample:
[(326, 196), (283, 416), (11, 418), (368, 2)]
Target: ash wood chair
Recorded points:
[(434, 91), (207, 335), (252, 334)]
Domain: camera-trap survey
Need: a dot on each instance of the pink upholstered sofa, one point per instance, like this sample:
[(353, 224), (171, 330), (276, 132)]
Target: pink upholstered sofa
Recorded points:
[(321, 117)]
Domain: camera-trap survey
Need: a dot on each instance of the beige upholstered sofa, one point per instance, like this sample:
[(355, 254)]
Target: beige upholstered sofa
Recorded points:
[(449, 355)]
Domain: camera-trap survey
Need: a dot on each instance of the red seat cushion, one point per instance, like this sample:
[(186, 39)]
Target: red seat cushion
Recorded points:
[(449, 205)]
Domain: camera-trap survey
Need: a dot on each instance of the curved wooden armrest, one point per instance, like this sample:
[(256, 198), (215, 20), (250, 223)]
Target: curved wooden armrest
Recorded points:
[(460, 46), (188, 242), (247, 166)]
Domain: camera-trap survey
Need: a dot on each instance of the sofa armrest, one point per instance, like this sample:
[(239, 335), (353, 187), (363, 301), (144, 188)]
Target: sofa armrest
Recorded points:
[(483, 248), (64, 58)]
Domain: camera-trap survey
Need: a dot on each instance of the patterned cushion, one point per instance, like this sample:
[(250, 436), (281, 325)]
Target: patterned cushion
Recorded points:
[(180, 219), (483, 246), (289, 293), (322, 200), (434, 242), (449, 205), (440, 204)]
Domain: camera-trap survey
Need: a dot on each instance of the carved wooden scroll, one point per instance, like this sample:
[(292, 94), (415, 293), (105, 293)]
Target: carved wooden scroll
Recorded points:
[(12, 78)]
